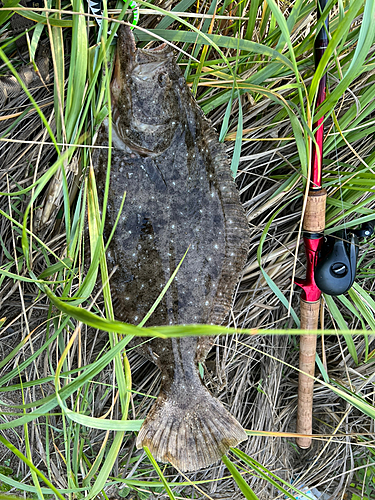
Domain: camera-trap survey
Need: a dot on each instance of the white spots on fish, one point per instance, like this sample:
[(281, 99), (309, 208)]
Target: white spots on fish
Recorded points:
[(127, 298), (129, 231), (139, 247), (135, 318), (143, 168), (216, 246), (173, 226)]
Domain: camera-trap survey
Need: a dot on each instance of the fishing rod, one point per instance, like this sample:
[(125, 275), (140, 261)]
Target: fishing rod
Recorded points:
[(313, 227), (331, 261)]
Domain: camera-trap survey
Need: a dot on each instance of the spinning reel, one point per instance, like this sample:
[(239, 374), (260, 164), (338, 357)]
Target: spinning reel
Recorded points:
[(337, 263)]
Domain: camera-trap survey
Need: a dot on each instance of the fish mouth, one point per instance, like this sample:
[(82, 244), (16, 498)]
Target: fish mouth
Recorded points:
[(136, 62), (128, 53)]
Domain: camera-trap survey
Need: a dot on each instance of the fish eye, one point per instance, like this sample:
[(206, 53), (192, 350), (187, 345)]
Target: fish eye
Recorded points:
[(163, 79)]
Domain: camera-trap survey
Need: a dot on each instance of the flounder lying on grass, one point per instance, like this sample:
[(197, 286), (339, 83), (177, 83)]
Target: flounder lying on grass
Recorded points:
[(179, 193)]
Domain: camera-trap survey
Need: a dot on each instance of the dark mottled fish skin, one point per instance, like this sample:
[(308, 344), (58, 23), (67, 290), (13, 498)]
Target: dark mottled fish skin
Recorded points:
[(179, 193)]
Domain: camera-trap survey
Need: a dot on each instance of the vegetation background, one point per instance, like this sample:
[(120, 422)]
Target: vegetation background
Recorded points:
[(71, 400)]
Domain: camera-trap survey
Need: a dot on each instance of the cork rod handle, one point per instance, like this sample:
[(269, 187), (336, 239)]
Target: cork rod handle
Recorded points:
[(309, 321), (314, 219)]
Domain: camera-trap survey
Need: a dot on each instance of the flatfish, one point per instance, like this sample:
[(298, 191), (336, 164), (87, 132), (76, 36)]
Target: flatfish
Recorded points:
[(180, 194)]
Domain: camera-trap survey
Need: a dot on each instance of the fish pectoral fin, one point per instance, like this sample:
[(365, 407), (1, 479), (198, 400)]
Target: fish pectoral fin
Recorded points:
[(191, 432)]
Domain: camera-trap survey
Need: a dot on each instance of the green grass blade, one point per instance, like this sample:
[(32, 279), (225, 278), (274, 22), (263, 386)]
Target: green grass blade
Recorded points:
[(242, 484), (238, 142), (365, 41), (160, 474), (269, 281), (266, 474), (101, 423), (31, 466), (182, 6), (337, 316), (77, 71), (253, 11), (216, 41)]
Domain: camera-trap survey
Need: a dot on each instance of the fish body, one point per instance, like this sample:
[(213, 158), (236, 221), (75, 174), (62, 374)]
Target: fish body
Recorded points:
[(180, 195)]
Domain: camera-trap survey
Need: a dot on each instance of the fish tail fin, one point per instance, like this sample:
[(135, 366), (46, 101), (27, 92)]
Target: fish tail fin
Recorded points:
[(191, 431)]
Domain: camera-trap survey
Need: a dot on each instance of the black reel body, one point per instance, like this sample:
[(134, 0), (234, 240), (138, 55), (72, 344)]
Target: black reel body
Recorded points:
[(337, 265), (335, 271)]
